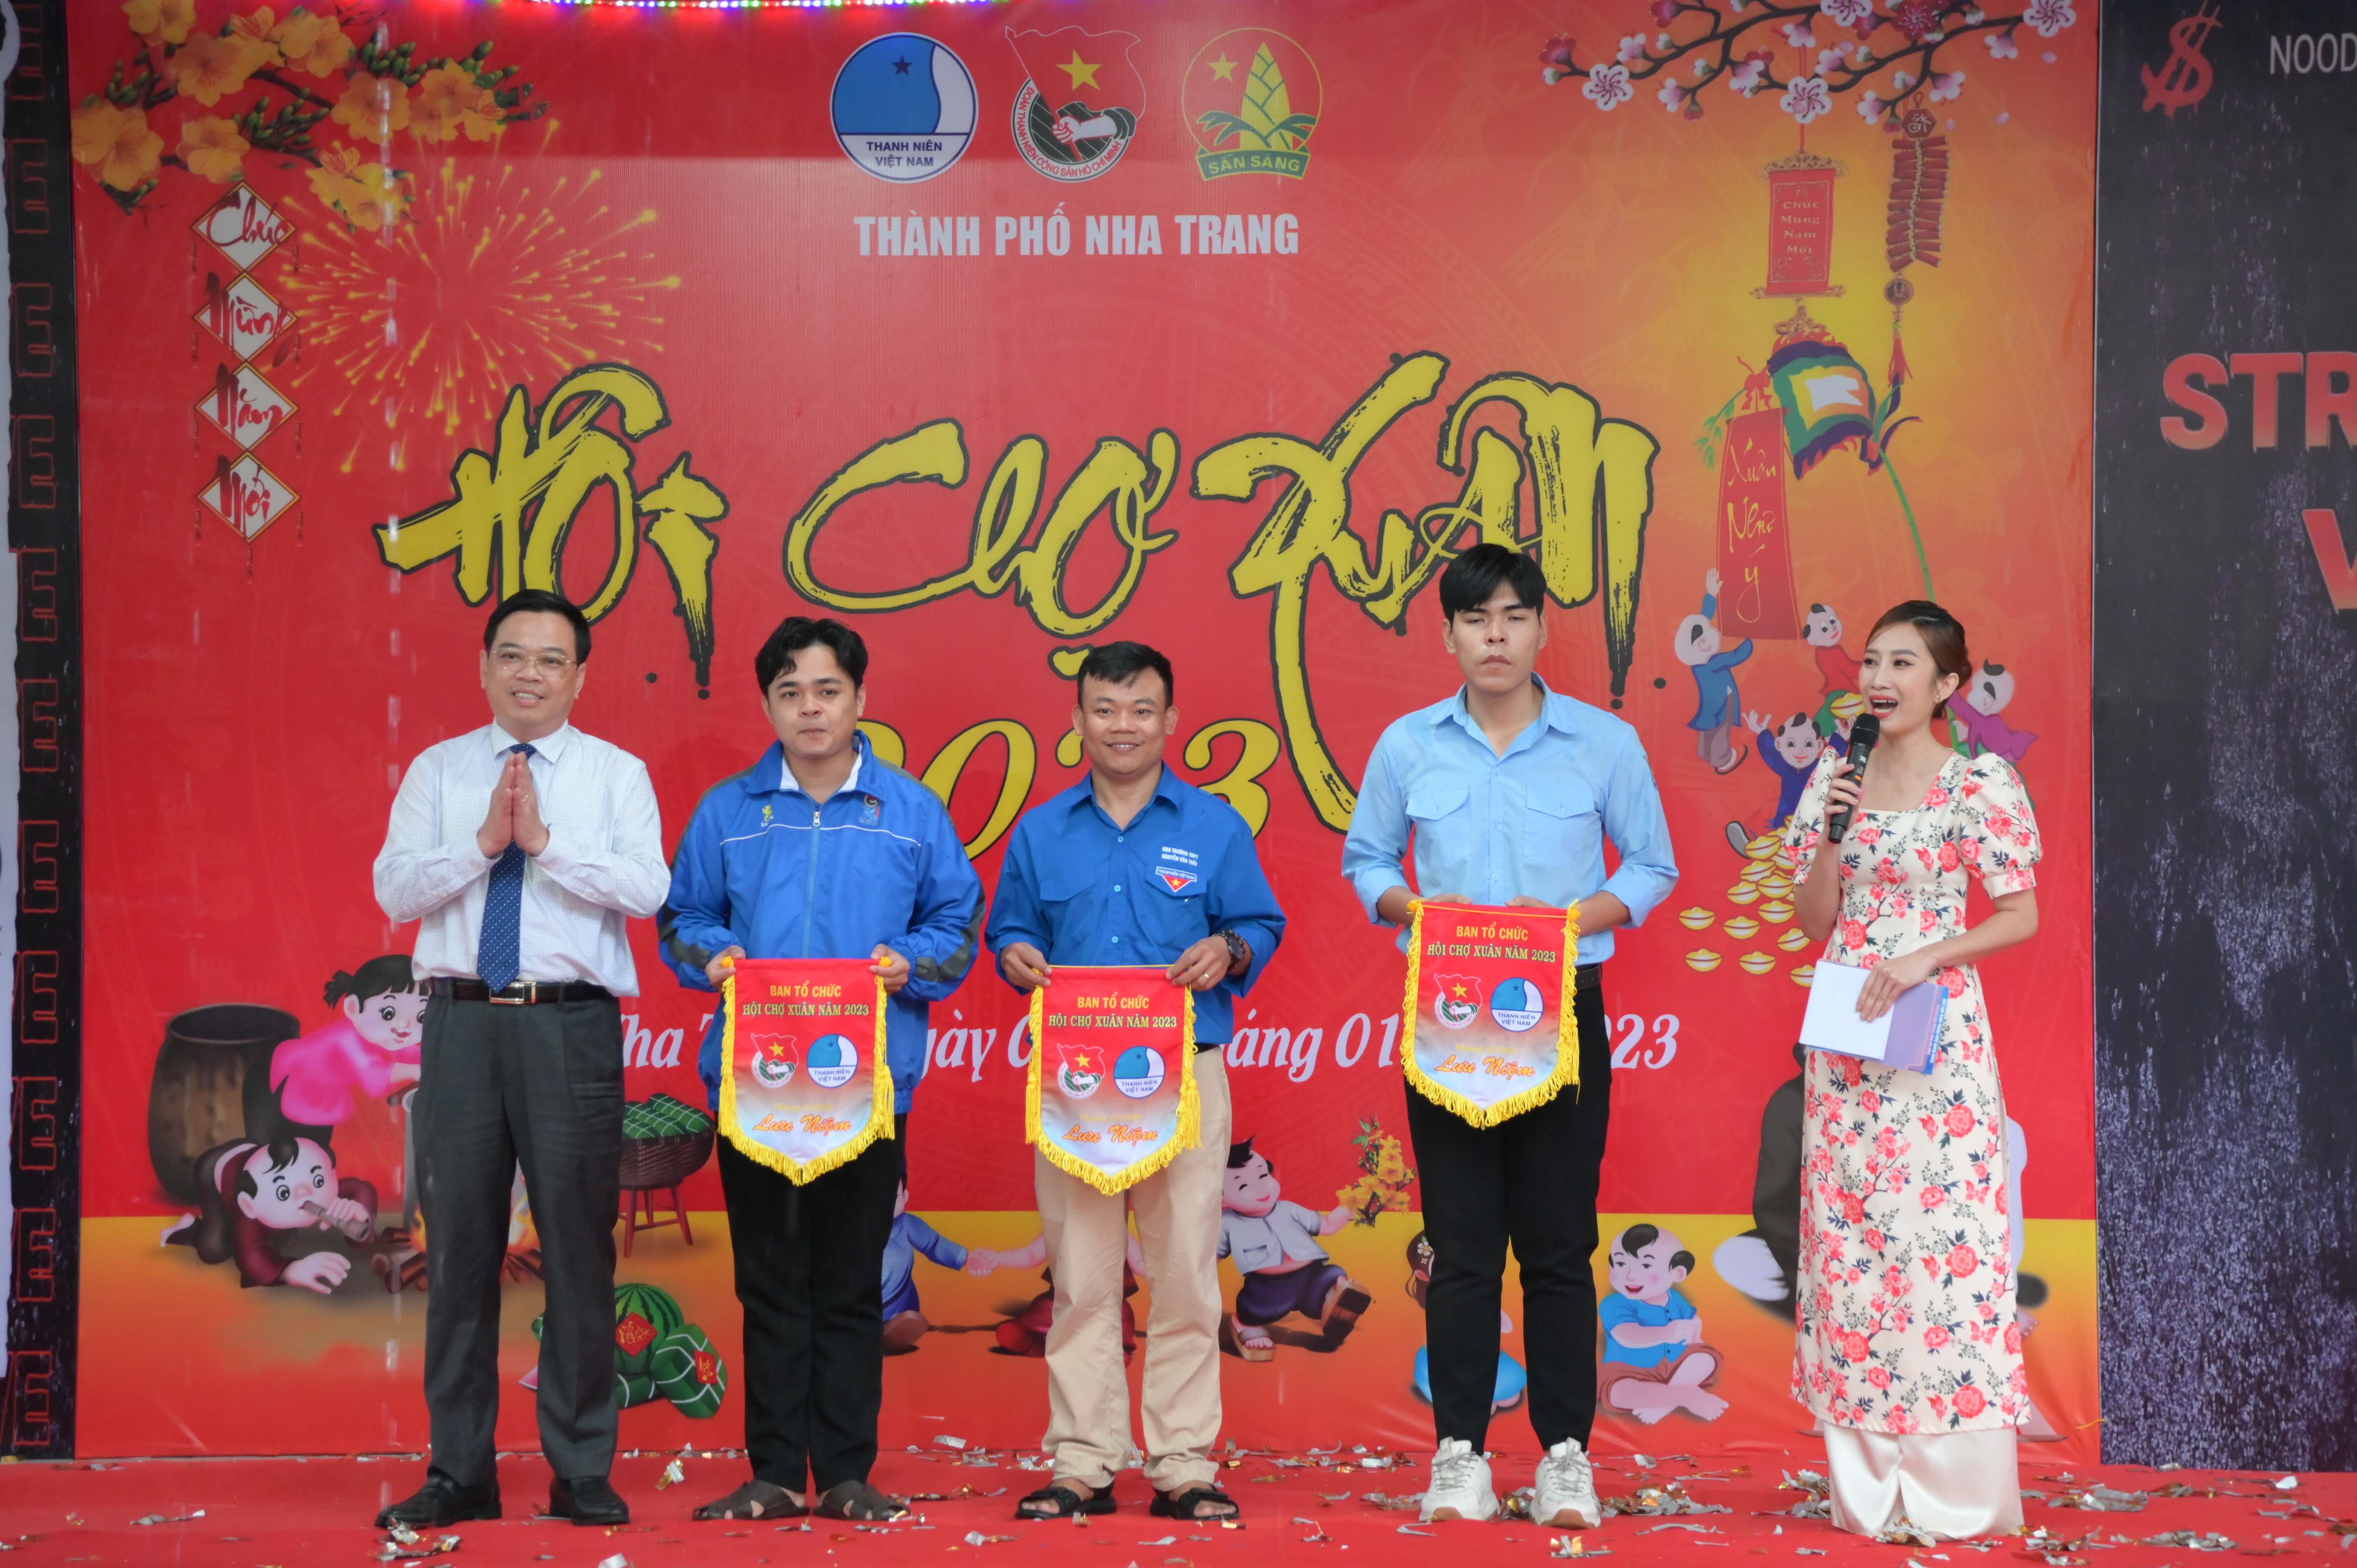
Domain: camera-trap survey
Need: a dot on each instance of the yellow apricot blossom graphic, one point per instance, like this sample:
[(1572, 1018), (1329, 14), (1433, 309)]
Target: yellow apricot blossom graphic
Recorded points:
[(213, 147)]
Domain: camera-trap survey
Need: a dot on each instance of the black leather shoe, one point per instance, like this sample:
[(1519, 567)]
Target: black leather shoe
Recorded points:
[(587, 1500), (441, 1501)]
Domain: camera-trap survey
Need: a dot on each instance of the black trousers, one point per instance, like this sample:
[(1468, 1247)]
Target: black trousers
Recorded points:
[(1531, 1181), (810, 1277), (540, 1086)]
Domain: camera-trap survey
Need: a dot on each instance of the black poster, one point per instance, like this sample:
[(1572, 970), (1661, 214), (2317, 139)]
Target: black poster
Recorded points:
[(2226, 732)]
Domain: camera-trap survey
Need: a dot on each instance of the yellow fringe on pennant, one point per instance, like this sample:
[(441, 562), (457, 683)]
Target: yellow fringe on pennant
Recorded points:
[(1188, 1134), (1567, 1042), (802, 1173)]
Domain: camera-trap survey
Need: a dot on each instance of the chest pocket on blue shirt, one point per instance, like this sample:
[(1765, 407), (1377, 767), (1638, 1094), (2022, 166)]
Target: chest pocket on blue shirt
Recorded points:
[(1560, 822), (1174, 918), (1444, 836), (1067, 899)]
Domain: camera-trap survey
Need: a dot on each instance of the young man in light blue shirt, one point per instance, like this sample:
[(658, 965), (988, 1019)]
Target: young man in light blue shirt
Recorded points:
[(1511, 791)]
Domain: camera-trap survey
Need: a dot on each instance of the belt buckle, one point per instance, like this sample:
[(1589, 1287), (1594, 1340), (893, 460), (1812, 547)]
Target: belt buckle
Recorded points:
[(531, 994)]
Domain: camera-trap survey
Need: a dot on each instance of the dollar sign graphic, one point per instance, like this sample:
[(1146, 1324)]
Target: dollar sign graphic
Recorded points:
[(2184, 79)]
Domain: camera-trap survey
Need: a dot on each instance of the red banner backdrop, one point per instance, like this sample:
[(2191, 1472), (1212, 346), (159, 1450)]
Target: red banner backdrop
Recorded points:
[(713, 317)]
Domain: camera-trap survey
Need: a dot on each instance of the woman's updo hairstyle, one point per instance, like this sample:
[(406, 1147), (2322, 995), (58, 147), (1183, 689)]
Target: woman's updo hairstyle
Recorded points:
[(1943, 637)]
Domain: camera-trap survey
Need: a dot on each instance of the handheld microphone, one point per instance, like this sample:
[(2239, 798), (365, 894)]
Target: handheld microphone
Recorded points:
[(1862, 737)]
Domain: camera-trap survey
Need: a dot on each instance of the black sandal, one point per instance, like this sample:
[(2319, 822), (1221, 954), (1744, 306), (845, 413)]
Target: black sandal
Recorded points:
[(756, 1499), (857, 1501), (1065, 1503), (1182, 1505)]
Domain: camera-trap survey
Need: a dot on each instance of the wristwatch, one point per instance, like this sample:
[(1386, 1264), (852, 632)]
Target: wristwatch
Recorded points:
[(1239, 950)]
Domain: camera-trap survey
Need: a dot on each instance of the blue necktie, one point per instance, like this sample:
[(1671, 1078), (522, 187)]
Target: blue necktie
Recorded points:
[(498, 951)]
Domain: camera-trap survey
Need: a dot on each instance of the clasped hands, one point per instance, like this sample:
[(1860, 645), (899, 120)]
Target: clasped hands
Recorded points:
[(514, 814)]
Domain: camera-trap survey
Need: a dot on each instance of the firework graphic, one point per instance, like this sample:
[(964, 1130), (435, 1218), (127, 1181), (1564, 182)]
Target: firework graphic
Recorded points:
[(498, 280)]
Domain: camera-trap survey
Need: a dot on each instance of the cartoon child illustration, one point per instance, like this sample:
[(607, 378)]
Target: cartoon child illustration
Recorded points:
[(1286, 1271), (904, 1322), (1719, 705), (1654, 1359), (1026, 1333), (1512, 1379), (1977, 706), (1822, 632), (1791, 756), (369, 1047), (263, 1204)]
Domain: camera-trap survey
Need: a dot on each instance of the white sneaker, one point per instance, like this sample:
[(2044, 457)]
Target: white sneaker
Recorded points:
[(1566, 1490), (1460, 1485)]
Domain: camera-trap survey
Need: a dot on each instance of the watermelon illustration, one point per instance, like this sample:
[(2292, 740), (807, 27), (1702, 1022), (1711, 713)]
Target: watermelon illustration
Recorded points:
[(690, 1373), (642, 1315)]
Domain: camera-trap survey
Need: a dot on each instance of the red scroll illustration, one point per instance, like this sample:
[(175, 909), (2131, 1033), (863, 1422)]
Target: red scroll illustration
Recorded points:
[(804, 1085), (1112, 1094), (1489, 1028)]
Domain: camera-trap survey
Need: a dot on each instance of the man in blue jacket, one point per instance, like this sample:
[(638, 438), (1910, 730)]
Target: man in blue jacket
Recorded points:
[(1135, 865), (819, 850)]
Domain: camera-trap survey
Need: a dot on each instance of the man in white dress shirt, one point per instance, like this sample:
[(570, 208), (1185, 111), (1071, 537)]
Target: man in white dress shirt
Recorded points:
[(523, 849)]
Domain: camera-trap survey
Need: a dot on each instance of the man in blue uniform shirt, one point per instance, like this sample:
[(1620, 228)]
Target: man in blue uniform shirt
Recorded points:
[(1511, 791), (1132, 865), (819, 850)]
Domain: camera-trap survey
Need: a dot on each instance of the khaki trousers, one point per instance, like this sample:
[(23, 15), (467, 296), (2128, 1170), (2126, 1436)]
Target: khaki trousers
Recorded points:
[(1177, 1210)]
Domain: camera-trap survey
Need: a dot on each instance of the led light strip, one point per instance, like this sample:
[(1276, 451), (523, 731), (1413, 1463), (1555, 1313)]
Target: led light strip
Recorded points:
[(744, 5)]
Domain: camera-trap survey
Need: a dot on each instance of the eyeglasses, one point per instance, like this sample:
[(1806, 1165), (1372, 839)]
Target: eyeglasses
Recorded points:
[(514, 662)]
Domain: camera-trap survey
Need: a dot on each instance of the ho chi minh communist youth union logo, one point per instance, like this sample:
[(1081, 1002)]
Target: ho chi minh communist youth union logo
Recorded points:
[(904, 107), (1079, 1070), (773, 1060), (1252, 99), (1458, 1001), (1081, 100)]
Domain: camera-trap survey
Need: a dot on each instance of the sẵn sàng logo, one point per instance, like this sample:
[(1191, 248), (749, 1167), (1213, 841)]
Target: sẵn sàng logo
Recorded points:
[(1252, 99)]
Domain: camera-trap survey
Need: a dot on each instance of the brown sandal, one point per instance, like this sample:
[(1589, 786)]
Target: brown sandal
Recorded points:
[(1063, 1502), (857, 1501), (756, 1499)]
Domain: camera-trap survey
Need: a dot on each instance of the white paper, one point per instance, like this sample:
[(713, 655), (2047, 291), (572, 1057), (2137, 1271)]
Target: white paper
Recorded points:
[(1832, 1022)]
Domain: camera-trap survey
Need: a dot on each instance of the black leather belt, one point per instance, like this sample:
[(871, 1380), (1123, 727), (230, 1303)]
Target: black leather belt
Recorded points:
[(522, 994), (1587, 977)]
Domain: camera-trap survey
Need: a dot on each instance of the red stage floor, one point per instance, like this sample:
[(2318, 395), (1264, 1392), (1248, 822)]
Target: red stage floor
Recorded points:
[(287, 1512)]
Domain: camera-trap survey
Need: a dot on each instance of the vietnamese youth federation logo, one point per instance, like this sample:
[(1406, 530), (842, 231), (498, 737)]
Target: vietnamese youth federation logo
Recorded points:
[(773, 1060), (1137, 1071), (1252, 99), (1078, 108), (1079, 1069), (1516, 1004), (1459, 1002), (832, 1059), (904, 107)]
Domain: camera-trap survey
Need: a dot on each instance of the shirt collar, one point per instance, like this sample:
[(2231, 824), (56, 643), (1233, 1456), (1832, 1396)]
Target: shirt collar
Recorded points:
[(552, 747), (1555, 712), (786, 779), (771, 775), (1166, 787)]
